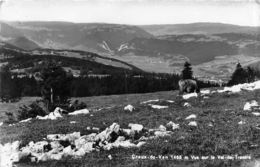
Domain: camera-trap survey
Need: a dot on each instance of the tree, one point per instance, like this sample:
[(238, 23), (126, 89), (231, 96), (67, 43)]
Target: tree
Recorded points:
[(240, 75), (8, 89), (187, 71), (251, 74), (54, 85)]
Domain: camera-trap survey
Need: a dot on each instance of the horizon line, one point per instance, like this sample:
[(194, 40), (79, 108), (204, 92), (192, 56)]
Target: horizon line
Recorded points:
[(154, 24)]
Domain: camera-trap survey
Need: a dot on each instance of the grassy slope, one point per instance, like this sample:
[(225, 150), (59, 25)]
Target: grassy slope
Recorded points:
[(224, 111)]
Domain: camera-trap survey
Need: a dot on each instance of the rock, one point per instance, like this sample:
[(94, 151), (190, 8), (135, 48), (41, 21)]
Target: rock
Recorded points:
[(158, 106), (9, 153), (186, 104), (69, 137), (210, 124), (79, 153), (56, 147), (162, 128), (149, 101), (53, 115), (109, 133), (193, 123), (82, 111), (26, 120), (59, 110), (136, 127), (162, 134), (95, 128), (172, 125), (256, 113), (110, 156), (141, 143), (68, 151), (126, 132), (37, 147), (192, 116), (129, 108), (73, 122), (187, 96), (241, 122), (205, 91), (119, 143), (249, 105)]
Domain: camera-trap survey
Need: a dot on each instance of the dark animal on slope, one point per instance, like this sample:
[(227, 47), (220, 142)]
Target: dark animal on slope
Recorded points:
[(188, 86)]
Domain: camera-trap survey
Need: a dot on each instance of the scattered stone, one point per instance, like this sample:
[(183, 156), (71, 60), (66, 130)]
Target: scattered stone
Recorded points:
[(186, 104), (149, 101), (109, 133), (136, 127), (158, 106), (249, 105), (193, 123), (205, 91), (162, 134), (210, 124), (187, 96), (140, 144), (110, 156), (53, 115), (240, 87), (162, 128), (129, 108), (1, 123), (172, 125), (69, 137), (73, 122), (26, 120), (256, 113), (82, 111), (192, 116), (241, 122)]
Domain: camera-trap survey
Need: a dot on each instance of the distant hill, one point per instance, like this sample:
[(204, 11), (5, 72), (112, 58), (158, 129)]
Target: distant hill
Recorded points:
[(153, 48), (25, 62), (198, 28), (95, 37), (197, 51), (24, 43)]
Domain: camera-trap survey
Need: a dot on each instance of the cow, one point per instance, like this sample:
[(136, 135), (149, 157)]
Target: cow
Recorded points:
[(188, 86)]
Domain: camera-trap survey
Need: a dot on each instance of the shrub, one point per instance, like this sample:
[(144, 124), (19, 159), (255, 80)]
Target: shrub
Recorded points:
[(40, 108), (30, 111), (10, 118), (76, 105)]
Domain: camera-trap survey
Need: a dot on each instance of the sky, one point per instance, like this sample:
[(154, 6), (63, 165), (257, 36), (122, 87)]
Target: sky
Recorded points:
[(135, 12)]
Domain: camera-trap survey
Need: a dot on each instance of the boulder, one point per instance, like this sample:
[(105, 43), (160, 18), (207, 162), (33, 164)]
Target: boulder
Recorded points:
[(109, 134), (129, 108), (172, 125), (192, 116), (136, 127), (82, 111)]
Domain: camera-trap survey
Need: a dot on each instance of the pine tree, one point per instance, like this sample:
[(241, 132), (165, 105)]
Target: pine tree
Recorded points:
[(187, 71), (240, 75), (54, 85)]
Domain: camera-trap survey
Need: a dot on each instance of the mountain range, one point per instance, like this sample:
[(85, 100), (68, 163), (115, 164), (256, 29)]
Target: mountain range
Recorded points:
[(212, 48)]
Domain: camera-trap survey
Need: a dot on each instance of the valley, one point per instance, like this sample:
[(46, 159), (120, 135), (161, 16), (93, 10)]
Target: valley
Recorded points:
[(152, 48)]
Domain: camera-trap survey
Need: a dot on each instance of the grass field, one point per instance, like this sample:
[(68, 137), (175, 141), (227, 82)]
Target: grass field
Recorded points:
[(217, 134)]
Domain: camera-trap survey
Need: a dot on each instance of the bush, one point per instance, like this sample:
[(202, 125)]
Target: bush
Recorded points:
[(10, 118), (76, 105), (39, 108), (30, 111)]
